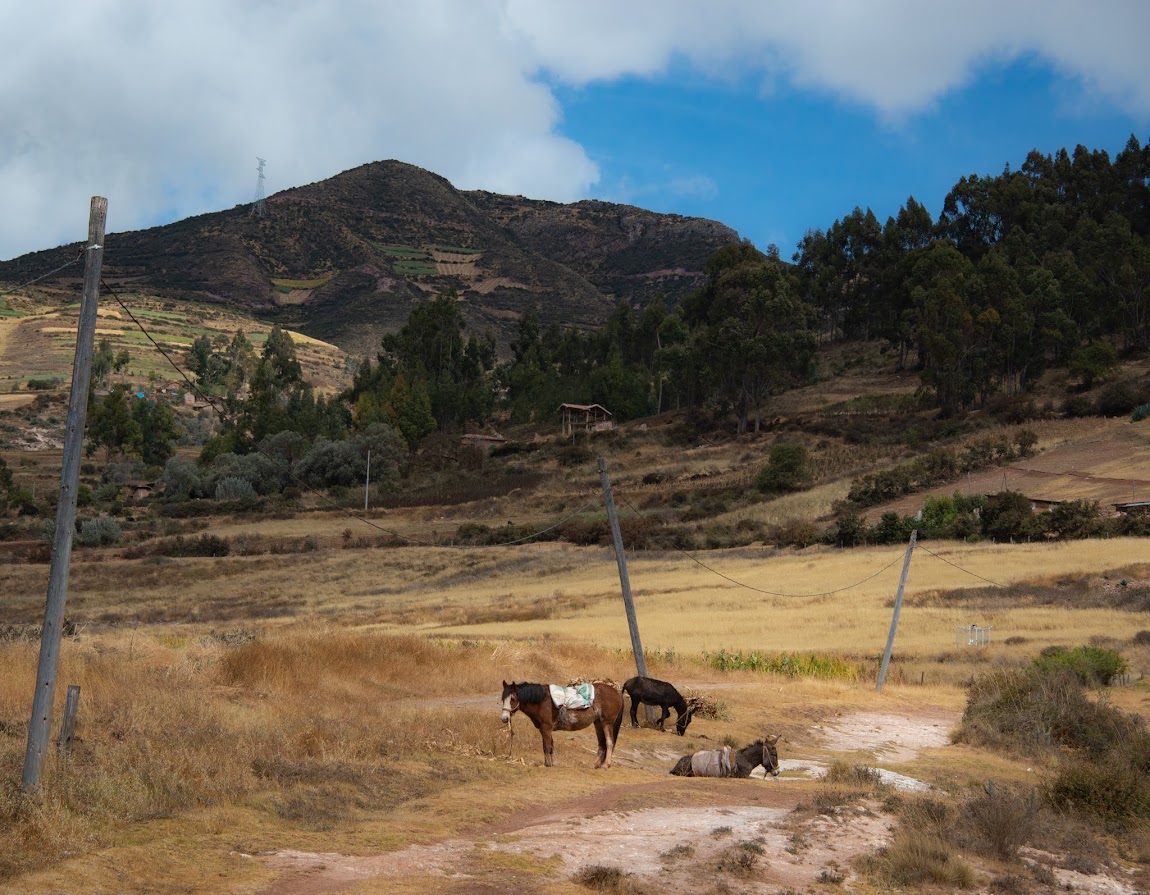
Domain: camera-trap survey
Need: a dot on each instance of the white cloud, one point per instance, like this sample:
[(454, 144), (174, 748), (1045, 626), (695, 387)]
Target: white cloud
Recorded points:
[(164, 107)]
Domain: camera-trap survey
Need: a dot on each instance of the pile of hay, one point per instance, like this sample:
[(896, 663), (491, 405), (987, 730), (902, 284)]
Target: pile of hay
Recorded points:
[(705, 706)]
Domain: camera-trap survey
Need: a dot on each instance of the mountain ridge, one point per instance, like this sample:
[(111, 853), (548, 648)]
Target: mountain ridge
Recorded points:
[(345, 258)]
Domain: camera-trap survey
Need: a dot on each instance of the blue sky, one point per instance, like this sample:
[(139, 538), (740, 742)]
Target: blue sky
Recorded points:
[(773, 116), (772, 167)]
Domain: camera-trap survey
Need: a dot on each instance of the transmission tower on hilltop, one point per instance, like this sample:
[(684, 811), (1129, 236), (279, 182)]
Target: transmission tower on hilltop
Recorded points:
[(258, 204)]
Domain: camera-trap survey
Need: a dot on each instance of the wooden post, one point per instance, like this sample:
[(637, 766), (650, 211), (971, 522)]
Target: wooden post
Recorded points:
[(897, 609), (367, 480), (38, 727), (624, 581), (68, 727)]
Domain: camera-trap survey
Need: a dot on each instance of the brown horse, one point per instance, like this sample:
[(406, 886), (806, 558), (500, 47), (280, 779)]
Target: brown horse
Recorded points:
[(534, 700)]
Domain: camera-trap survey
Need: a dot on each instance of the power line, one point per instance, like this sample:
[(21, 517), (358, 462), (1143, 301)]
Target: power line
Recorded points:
[(79, 255), (209, 399), (960, 568), (825, 593)]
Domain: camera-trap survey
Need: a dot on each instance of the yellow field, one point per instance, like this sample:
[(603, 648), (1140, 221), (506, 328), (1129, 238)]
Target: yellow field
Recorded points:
[(344, 701)]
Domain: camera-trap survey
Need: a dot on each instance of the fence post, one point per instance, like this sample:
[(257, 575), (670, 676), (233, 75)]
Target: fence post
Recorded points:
[(38, 727), (68, 727), (897, 609)]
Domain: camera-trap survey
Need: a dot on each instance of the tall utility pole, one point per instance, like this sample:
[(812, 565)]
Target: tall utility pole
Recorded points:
[(66, 506), (897, 610), (624, 580), (258, 205)]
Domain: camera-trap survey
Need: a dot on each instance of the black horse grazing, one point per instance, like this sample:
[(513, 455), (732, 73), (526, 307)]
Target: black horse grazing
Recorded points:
[(730, 762), (654, 692)]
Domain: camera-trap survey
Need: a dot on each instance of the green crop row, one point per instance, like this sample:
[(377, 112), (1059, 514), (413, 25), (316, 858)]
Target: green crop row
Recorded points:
[(787, 664)]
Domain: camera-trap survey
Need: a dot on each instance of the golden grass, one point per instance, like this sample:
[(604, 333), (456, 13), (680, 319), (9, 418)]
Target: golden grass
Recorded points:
[(363, 716)]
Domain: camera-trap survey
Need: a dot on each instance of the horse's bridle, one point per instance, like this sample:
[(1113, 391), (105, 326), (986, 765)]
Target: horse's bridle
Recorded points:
[(510, 707), (773, 771)]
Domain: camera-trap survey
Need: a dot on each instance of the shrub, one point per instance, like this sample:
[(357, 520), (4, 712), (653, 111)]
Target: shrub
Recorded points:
[(234, 488), (1090, 664), (265, 474), (204, 545), (1116, 788), (1120, 398), (998, 821), (181, 479), (794, 533), (103, 531), (1139, 413), (1033, 710), (787, 469), (1075, 519), (1079, 406)]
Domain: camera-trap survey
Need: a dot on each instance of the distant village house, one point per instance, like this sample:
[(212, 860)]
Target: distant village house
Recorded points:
[(586, 418)]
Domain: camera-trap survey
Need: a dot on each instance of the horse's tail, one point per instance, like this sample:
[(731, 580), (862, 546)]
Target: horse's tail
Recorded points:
[(618, 721), (683, 768)]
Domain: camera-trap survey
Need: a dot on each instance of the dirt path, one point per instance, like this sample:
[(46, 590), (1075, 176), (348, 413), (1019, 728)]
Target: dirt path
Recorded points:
[(746, 830)]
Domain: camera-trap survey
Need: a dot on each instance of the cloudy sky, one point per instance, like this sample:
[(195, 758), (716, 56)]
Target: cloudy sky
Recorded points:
[(773, 116)]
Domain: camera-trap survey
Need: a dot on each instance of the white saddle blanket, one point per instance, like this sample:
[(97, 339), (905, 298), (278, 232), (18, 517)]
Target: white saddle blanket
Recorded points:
[(578, 697)]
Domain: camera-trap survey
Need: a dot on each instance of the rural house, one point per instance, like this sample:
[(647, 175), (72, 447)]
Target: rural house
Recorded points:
[(585, 418)]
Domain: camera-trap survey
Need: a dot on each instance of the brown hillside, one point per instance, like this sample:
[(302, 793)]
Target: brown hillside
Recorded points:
[(345, 258)]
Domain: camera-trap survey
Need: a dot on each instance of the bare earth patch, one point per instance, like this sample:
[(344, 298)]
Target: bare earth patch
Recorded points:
[(674, 849)]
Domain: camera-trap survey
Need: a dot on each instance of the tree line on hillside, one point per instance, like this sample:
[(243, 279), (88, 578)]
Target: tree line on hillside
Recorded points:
[(1047, 265)]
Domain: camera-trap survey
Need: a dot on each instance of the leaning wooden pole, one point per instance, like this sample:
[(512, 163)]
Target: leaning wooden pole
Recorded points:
[(38, 728), (624, 580), (897, 609)]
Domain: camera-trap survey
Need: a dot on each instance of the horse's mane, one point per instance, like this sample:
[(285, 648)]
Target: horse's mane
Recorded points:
[(532, 693)]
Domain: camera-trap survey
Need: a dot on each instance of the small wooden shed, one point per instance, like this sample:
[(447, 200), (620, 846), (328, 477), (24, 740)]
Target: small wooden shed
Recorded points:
[(585, 418)]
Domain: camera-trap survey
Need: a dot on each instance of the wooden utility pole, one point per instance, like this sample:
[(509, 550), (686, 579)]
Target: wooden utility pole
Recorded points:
[(624, 580), (38, 728), (897, 609)]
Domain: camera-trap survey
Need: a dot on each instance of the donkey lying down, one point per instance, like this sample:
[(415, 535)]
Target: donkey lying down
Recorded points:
[(728, 762)]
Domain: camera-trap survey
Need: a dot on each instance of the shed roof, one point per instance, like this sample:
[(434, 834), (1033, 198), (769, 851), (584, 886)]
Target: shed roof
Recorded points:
[(585, 407)]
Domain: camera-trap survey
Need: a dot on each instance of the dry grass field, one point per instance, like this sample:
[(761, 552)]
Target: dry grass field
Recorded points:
[(328, 721)]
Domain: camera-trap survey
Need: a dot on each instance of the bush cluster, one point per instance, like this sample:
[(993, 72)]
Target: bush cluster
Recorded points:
[(1044, 710), (204, 545), (938, 467)]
